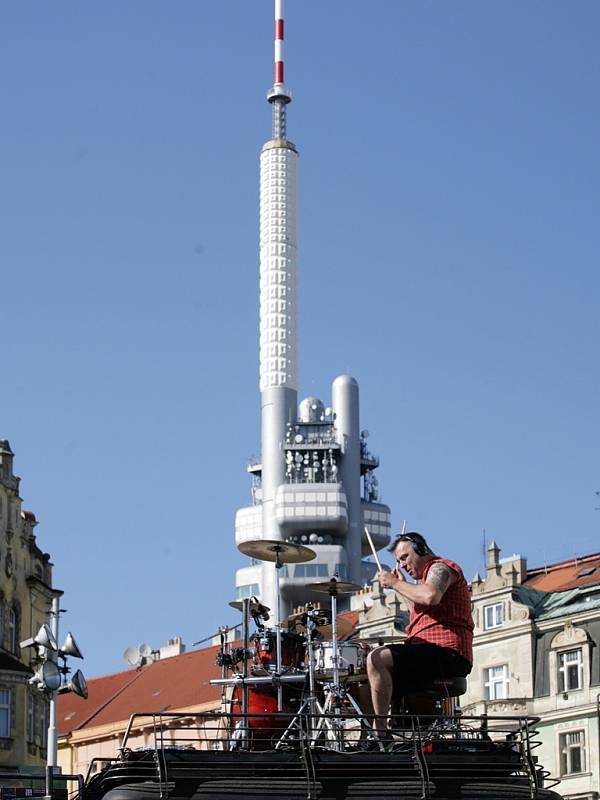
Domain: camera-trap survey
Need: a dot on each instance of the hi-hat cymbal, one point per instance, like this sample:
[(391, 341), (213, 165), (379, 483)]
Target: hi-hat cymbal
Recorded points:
[(294, 623), (271, 550), (321, 617), (333, 587), (255, 606)]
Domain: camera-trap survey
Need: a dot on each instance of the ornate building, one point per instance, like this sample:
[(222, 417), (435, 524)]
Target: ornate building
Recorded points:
[(25, 596), (537, 651)]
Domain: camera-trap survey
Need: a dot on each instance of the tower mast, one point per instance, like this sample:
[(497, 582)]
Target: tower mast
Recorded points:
[(307, 488), (278, 299)]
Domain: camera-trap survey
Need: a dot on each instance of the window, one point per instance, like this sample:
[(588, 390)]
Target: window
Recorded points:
[(342, 571), (570, 670), (495, 682), (13, 629), (5, 711), (492, 616), (311, 571), (247, 590), (44, 716), (31, 704), (572, 752)]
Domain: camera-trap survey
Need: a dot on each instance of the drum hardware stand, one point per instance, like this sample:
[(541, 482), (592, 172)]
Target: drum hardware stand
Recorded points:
[(335, 694), (310, 704), (241, 735), (278, 566)]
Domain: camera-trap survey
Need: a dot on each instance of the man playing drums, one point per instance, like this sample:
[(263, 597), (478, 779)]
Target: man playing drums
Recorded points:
[(439, 641)]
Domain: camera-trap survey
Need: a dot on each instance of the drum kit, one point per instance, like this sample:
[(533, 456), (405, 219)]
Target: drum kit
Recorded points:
[(294, 683)]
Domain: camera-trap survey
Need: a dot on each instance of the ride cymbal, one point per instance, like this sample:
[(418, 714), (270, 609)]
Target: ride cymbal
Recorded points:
[(272, 550)]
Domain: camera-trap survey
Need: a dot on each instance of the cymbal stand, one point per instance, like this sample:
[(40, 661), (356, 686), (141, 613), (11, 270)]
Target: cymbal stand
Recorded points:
[(278, 566), (310, 704), (241, 735), (335, 694)]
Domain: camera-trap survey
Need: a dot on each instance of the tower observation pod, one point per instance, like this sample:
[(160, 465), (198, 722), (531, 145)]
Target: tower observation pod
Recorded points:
[(315, 483)]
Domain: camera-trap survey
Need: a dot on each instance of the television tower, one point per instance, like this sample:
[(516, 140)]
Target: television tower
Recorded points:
[(315, 483)]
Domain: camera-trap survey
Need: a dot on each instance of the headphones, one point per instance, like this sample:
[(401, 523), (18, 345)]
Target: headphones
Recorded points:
[(418, 542)]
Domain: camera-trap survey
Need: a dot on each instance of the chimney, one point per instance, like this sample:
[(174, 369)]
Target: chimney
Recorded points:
[(173, 647)]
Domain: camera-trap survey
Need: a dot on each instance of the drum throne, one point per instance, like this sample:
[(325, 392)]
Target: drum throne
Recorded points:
[(434, 697)]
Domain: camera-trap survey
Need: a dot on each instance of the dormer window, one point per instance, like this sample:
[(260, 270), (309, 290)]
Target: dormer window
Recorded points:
[(493, 616)]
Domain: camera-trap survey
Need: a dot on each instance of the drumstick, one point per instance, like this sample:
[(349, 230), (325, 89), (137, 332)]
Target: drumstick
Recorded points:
[(373, 549), (403, 528)]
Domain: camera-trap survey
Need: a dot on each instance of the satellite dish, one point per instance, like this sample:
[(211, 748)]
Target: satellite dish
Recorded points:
[(145, 650), (131, 656), (298, 438), (364, 434)]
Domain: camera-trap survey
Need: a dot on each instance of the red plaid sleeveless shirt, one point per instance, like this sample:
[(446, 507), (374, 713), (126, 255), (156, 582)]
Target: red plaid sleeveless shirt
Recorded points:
[(450, 623)]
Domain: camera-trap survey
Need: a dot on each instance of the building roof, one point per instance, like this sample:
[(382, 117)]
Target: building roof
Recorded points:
[(352, 618), (573, 574), (165, 685)]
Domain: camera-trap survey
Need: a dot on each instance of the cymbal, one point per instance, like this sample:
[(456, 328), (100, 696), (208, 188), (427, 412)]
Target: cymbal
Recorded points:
[(321, 616), (255, 606), (270, 549), (343, 627), (333, 587)]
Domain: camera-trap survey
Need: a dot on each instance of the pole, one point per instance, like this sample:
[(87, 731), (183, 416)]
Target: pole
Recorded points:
[(278, 566), (52, 734)]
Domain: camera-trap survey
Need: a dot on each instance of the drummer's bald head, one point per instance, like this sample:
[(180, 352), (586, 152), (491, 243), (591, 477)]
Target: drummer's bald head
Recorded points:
[(418, 542)]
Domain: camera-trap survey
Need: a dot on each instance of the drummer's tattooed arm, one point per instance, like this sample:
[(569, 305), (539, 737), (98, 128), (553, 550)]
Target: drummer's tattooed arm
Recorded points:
[(440, 576)]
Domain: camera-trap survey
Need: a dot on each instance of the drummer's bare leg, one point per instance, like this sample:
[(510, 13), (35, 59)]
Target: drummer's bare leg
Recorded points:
[(380, 670)]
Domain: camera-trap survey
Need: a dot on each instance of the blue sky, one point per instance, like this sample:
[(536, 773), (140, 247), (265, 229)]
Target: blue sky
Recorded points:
[(449, 241)]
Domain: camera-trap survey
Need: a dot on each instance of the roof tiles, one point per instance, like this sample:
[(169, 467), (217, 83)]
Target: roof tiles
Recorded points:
[(165, 685), (572, 574)]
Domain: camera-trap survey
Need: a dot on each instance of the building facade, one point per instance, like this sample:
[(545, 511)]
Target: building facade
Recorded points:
[(25, 596), (537, 651)]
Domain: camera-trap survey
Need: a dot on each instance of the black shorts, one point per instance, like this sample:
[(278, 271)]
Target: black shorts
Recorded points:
[(416, 662)]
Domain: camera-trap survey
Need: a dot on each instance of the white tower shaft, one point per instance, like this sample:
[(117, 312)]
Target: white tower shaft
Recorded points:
[(278, 265), (278, 302)]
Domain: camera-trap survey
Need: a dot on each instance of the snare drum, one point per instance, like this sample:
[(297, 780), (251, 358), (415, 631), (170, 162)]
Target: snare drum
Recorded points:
[(265, 651), (352, 659)]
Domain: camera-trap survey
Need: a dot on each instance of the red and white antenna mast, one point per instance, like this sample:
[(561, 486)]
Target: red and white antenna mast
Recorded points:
[(279, 96)]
